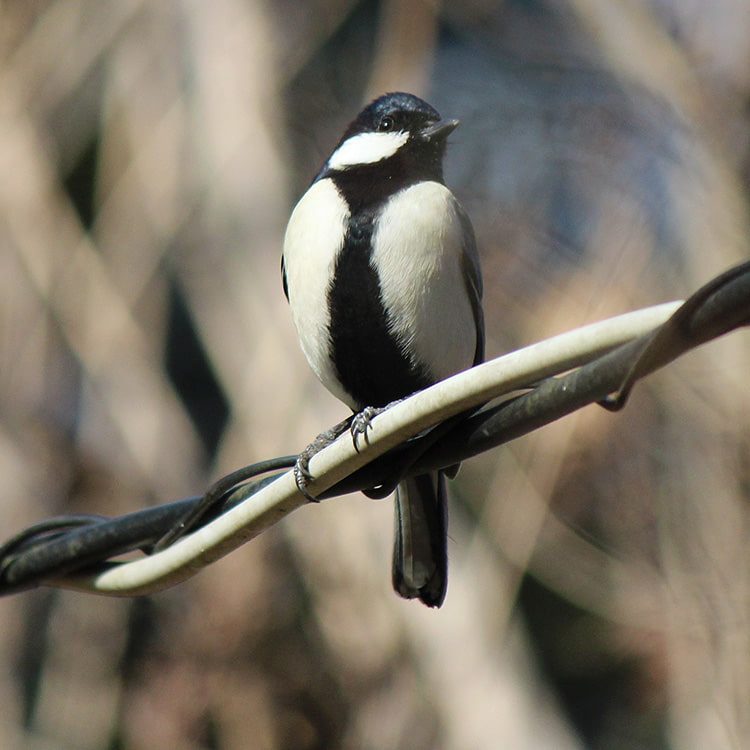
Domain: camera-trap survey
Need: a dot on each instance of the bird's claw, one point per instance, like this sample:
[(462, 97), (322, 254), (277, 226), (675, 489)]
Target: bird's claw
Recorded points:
[(361, 421), (361, 424), (358, 426), (302, 475)]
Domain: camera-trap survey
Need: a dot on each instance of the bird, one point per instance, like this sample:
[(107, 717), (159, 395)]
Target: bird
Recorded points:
[(381, 271)]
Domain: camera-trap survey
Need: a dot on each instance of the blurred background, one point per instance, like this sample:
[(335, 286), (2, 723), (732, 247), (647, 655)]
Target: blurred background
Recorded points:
[(150, 154)]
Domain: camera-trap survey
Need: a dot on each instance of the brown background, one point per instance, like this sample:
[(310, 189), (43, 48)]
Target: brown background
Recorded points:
[(150, 153)]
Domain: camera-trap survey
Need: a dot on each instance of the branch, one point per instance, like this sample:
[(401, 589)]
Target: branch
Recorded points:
[(601, 363)]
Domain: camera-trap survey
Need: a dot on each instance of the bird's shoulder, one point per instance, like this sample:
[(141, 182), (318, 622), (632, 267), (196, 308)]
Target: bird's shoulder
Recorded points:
[(317, 223)]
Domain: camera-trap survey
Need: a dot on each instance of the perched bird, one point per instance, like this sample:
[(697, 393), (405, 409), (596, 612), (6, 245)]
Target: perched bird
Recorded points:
[(381, 271)]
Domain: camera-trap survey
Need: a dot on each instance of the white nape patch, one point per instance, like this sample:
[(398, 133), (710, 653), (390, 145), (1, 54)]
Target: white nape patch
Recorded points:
[(366, 148), (419, 249), (314, 238)]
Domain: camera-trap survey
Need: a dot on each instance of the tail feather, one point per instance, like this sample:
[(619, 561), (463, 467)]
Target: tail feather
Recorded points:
[(420, 555)]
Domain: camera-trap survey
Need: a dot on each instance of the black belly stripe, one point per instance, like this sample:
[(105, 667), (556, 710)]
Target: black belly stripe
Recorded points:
[(369, 362)]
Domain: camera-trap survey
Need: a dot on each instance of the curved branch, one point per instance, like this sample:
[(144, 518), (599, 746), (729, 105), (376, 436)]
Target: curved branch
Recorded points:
[(598, 360)]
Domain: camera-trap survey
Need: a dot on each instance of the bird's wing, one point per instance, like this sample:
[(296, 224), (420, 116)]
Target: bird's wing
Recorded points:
[(283, 279), (473, 277)]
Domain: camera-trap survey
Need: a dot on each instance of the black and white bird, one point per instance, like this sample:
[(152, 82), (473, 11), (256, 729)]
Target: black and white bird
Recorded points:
[(381, 271)]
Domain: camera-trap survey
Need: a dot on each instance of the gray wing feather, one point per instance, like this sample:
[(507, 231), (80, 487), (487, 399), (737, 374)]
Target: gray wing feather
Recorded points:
[(473, 278)]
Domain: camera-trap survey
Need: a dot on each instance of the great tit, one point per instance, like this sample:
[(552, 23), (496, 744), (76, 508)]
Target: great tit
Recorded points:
[(381, 271)]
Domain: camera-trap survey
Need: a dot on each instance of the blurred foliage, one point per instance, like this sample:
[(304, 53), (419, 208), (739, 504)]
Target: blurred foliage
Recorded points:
[(600, 584)]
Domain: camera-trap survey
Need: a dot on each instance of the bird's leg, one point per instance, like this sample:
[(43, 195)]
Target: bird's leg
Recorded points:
[(358, 425), (302, 476)]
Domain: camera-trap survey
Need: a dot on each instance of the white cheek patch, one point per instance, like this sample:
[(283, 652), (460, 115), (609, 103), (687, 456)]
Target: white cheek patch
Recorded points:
[(366, 148)]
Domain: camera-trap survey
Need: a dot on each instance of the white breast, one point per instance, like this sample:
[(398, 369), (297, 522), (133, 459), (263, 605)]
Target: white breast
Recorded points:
[(313, 240), (419, 246)]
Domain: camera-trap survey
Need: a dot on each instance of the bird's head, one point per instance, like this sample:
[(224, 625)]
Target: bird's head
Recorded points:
[(396, 127)]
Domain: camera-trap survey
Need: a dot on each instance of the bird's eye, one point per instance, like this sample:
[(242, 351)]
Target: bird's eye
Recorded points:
[(386, 123)]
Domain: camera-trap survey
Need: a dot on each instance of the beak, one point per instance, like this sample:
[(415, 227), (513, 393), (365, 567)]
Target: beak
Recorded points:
[(438, 130)]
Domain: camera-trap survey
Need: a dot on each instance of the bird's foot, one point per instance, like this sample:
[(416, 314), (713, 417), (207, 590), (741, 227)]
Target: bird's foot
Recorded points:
[(358, 425), (361, 423), (362, 420), (302, 475)]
